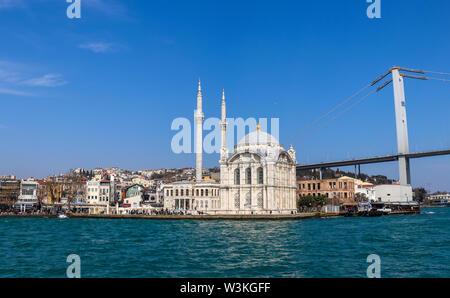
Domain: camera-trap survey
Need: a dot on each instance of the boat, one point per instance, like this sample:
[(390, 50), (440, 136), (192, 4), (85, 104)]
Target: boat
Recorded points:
[(62, 216)]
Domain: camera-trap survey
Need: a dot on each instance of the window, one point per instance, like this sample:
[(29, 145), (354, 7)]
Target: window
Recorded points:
[(248, 176), (248, 201), (176, 192), (202, 192), (260, 201), (261, 176), (237, 177), (237, 202), (206, 192), (196, 192), (182, 192)]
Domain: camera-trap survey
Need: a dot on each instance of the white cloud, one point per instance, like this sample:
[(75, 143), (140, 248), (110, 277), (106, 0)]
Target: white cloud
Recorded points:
[(13, 78), (98, 47), (48, 80), (14, 92)]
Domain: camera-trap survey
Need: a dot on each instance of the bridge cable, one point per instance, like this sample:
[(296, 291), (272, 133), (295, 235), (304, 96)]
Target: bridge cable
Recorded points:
[(438, 79), (437, 72), (331, 111), (338, 115)]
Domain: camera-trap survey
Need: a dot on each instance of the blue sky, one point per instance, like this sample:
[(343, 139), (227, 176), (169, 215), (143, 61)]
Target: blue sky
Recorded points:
[(103, 90)]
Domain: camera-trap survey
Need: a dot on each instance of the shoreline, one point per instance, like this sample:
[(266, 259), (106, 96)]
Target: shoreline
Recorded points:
[(300, 216)]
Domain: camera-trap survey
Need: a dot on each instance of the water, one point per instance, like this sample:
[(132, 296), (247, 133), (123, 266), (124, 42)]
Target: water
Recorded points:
[(409, 246)]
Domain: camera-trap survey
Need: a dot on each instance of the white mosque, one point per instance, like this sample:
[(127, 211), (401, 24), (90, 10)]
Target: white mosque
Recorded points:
[(258, 178)]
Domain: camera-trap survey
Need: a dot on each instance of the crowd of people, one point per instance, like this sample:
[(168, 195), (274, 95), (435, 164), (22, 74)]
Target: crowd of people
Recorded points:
[(34, 211), (59, 210)]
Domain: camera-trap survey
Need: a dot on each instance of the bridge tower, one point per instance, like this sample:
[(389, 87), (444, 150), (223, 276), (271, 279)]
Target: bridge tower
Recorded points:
[(402, 127)]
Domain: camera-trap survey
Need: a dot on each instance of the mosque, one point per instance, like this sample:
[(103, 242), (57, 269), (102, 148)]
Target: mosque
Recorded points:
[(259, 177)]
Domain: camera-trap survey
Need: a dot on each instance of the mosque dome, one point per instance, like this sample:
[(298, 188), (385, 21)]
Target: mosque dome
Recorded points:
[(263, 144), (258, 138)]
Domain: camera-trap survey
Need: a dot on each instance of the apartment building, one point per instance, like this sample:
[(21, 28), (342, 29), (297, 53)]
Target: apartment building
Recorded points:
[(342, 189)]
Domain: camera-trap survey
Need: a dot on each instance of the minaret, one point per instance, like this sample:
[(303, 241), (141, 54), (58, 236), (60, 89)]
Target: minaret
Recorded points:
[(223, 125), (198, 116)]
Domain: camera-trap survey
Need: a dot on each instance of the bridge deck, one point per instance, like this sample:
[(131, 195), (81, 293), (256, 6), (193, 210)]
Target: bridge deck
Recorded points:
[(370, 160)]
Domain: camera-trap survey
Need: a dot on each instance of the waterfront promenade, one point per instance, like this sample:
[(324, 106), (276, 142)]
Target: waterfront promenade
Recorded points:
[(298, 216), (201, 217)]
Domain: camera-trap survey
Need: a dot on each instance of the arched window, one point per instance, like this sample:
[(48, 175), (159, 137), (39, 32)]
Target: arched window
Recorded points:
[(260, 176), (237, 177), (206, 190), (196, 192), (176, 192), (248, 176)]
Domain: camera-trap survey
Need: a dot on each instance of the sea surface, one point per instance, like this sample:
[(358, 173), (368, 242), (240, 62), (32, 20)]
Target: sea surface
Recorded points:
[(408, 246)]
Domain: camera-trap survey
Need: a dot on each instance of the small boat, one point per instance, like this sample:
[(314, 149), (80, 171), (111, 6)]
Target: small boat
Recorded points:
[(62, 216)]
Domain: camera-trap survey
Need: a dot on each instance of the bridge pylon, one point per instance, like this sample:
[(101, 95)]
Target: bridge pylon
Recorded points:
[(402, 127)]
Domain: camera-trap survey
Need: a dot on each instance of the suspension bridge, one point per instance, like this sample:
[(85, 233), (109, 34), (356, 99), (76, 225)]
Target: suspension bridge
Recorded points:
[(403, 155)]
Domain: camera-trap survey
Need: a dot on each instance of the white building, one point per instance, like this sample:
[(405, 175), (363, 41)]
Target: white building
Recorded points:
[(388, 193), (440, 198), (188, 195), (28, 197), (99, 194), (258, 178)]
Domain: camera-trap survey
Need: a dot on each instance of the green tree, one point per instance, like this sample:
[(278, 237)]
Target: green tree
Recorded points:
[(309, 203), (420, 194)]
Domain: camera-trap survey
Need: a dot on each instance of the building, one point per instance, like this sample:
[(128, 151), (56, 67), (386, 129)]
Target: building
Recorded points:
[(393, 193), (437, 199), (42, 191), (387, 193), (9, 192), (258, 178), (191, 195), (100, 195), (133, 196), (341, 189), (28, 197)]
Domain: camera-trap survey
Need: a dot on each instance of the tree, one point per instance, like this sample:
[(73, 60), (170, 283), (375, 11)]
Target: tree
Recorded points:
[(420, 194), (311, 202), (361, 197)]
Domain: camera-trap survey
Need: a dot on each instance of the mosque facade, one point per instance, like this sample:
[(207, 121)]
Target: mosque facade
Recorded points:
[(258, 177)]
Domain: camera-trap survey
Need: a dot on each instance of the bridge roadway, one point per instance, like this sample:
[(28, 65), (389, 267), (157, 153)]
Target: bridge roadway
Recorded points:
[(370, 160)]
